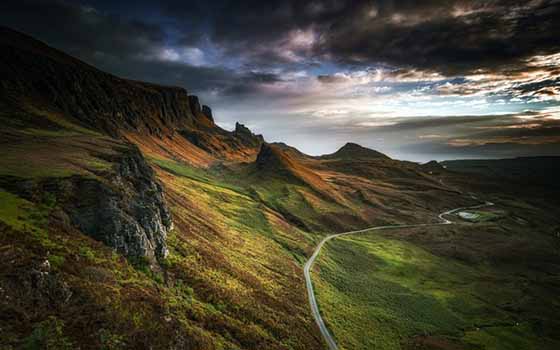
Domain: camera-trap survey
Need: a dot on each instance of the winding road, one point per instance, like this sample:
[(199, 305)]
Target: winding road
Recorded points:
[(309, 264)]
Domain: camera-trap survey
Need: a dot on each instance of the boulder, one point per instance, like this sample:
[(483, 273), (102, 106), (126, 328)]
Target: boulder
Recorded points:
[(128, 212)]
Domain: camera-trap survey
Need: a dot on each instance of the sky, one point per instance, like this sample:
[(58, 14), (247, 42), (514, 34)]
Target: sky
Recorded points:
[(417, 80)]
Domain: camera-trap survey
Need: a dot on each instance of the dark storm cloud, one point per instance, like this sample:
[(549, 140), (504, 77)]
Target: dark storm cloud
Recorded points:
[(330, 79), (81, 30), (493, 136), (448, 36), (443, 36), (425, 138), (128, 47), (452, 37), (441, 151), (476, 127)]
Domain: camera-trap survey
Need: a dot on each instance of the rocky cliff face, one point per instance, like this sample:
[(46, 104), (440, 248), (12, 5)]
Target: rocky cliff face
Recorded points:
[(125, 207), (98, 100), (207, 112), (271, 157), (243, 133), (127, 212)]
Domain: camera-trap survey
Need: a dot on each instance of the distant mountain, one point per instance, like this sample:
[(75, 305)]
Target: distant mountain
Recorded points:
[(354, 151), (433, 167)]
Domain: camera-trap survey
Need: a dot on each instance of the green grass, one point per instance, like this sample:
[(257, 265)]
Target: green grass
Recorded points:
[(296, 201), (378, 293), (232, 279), (48, 334), (22, 214), (507, 338), (54, 157), (194, 173), (238, 267), (44, 144), (69, 128)]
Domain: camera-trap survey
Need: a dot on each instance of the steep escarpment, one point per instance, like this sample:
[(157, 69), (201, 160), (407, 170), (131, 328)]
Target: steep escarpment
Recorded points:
[(38, 77), (35, 73)]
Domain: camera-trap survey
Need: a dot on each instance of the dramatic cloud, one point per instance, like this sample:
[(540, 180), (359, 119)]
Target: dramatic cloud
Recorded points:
[(447, 36), (429, 79)]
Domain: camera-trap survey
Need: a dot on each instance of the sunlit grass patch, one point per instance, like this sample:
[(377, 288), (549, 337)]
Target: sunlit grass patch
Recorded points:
[(22, 214), (193, 173)]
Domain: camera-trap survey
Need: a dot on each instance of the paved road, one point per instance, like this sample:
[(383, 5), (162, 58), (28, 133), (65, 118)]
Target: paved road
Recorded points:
[(309, 264)]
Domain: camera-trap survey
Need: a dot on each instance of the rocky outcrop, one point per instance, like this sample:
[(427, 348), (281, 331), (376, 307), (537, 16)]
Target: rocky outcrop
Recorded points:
[(273, 159), (224, 144), (243, 133), (207, 111), (128, 212), (125, 208), (268, 157)]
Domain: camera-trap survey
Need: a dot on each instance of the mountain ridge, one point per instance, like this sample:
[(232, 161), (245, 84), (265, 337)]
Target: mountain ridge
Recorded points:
[(38, 76)]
